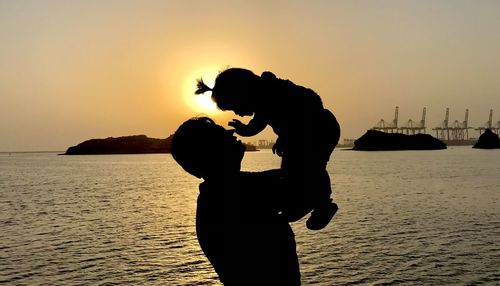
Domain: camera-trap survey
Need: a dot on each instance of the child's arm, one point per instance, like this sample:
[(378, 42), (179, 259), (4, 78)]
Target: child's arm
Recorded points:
[(255, 126)]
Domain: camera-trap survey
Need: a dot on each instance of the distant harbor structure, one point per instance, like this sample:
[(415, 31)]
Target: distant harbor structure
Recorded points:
[(411, 126), (489, 125), (389, 127), (457, 131), (348, 142), (452, 133), (262, 144)]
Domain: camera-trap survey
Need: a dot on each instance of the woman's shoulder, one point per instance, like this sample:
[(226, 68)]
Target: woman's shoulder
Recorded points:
[(263, 182), (273, 174)]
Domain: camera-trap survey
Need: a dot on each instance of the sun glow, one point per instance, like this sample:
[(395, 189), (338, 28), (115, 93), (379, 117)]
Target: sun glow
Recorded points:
[(201, 103), (205, 102)]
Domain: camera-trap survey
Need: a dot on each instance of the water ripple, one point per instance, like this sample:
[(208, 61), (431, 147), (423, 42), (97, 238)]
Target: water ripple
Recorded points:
[(129, 220)]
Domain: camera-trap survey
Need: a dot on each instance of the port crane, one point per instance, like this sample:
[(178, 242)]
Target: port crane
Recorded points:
[(443, 130), (413, 127), (389, 127), (457, 131), (489, 125)]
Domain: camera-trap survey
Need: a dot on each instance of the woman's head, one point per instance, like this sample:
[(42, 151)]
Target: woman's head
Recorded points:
[(234, 90), (205, 149)]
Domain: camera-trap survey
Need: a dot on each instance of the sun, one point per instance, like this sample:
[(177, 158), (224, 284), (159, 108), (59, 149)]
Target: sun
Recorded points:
[(201, 103), (205, 102)]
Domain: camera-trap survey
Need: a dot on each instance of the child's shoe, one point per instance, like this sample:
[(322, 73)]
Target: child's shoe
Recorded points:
[(321, 216)]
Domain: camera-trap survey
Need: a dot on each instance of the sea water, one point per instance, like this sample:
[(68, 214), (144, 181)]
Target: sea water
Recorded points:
[(406, 217)]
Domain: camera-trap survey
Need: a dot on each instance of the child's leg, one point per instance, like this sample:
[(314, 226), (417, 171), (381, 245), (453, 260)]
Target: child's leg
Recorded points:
[(304, 174), (304, 163), (324, 207), (328, 134), (307, 184), (298, 201)]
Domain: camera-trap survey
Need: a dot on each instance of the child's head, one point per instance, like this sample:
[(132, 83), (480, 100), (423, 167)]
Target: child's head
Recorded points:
[(233, 90)]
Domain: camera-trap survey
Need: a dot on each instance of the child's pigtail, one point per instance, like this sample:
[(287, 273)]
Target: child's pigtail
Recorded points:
[(201, 87)]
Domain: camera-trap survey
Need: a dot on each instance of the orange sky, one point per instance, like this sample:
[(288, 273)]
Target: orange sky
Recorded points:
[(75, 70)]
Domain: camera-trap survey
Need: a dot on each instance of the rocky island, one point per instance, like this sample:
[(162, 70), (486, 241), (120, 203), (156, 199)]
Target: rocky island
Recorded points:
[(374, 140), (135, 144), (488, 140)]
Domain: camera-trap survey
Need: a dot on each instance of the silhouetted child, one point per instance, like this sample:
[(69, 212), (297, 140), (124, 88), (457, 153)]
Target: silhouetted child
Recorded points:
[(307, 135)]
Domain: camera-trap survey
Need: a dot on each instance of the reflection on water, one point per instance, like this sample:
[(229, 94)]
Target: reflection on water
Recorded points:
[(416, 217)]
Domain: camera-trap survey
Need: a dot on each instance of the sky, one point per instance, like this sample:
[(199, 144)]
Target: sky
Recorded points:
[(76, 70)]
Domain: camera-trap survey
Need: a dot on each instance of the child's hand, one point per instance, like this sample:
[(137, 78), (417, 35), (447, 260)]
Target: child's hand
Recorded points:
[(238, 126), (253, 127), (277, 148)]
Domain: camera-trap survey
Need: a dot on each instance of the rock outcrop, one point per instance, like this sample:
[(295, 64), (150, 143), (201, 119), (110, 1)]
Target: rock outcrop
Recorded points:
[(374, 140), (136, 144), (488, 140)]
